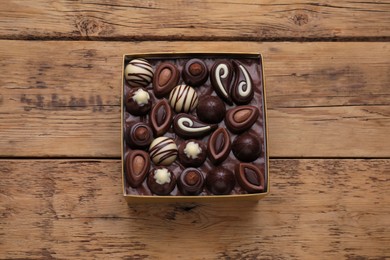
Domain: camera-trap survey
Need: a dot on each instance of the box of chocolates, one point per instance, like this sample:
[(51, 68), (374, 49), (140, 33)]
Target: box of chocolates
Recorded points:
[(194, 127)]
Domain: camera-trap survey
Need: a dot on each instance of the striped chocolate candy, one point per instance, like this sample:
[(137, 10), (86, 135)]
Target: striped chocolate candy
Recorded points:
[(138, 73), (183, 98), (163, 151)]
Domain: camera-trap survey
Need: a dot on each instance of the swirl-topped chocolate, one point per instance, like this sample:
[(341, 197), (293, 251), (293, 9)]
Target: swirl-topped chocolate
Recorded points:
[(242, 90), (138, 73), (188, 126), (183, 98), (195, 72), (221, 77)]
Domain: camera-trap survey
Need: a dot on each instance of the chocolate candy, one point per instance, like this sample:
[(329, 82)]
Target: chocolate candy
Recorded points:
[(219, 146), (161, 181), (165, 79), (138, 73), (163, 151), (246, 147), (188, 126), (241, 118), (220, 181), (161, 117), (221, 79), (138, 102), (139, 135), (249, 177), (183, 98), (190, 182), (137, 167), (211, 110), (242, 90), (195, 72), (192, 153)]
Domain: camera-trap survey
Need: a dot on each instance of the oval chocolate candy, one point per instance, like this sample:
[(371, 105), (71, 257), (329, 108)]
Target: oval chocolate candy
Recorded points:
[(161, 117), (241, 118), (221, 76), (165, 79), (249, 177), (188, 126), (242, 90), (137, 167), (219, 146)]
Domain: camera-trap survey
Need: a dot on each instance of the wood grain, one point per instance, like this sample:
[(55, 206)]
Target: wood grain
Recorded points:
[(62, 98), (68, 105), (327, 209), (188, 20)]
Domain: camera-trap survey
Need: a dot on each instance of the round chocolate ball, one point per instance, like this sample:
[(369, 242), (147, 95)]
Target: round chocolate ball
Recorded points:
[(190, 182), (138, 102), (246, 147), (211, 110), (220, 181), (192, 153), (161, 181), (195, 72), (139, 135)]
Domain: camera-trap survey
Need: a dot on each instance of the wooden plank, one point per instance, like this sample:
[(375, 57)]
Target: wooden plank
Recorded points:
[(182, 20), (66, 103), (336, 209)]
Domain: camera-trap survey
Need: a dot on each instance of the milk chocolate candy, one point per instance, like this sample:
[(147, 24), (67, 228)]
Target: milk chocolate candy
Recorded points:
[(221, 77), (137, 166), (165, 79), (242, 90), (241, 118), (161, 117), (188, 126), (195, 72), (219, 146), (190, 182), (249, 177), (138, 73), (139, 135)]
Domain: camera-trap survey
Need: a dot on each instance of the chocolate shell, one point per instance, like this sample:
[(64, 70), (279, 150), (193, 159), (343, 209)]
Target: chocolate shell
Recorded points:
[(183, 98), (219, 146), (195, 72), (242, 90), (220, 181), (138, 102), (137, 166), (241, 118), (163, 151), (188, 126), (161, 117), (192, 153), (138, 73), (221, 77), (161, 181), (249, 177), (246, 147), (139, 135), (191, 182), (211, 110), (165, 79)]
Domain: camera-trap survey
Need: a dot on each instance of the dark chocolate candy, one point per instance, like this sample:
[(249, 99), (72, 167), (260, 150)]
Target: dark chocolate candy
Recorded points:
[(242, 90), (138, 102), (246, 147), (241, 118), (221, 77), (137, 166), (195, 72), (138, 73), (249, 177), (190, 182), (161, 181), (161, 117), (139, 135), (220, 181), (165, 79), (188, 126), (192, 153), (211, 110), (219, 146), (183, 98)]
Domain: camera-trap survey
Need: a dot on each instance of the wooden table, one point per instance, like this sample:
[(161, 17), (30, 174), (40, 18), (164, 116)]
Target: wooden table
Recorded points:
[(328, 85)]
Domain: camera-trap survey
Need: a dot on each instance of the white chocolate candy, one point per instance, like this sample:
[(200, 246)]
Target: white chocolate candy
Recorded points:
[(163, 151), (183, 98), (162, 176), (192, 150), (141, 97), (138, 73)]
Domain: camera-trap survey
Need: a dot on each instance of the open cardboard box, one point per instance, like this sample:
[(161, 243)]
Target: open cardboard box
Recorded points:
[(133, 196)]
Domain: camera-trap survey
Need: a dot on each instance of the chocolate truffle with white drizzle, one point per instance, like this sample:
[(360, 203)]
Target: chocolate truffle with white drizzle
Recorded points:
[(183, 98), (139, 73)]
